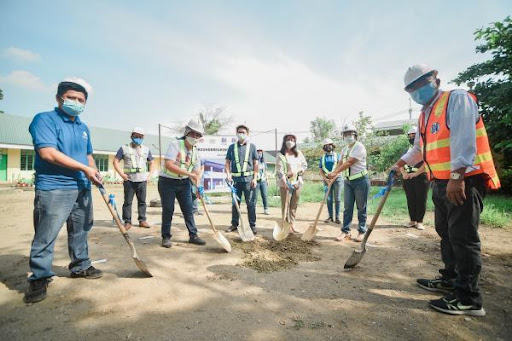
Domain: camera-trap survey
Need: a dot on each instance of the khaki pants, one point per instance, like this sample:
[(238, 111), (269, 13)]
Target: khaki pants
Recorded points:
[(294, 202)]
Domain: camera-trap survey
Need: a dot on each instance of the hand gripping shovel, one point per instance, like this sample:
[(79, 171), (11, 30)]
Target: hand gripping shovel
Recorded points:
[(115, 215), (219, 237), (281, 232), (312, 230), (245, 233), (357, 255)]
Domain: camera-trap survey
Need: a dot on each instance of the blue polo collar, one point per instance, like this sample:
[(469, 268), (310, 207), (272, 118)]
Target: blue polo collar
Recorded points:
[(65, 117)]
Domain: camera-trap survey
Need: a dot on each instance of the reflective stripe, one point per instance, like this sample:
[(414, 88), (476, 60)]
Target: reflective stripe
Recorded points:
[(410, 169), (441, 104), (183, 159), (438, 144), (324, 168), (284, 162), (357, 176), (483, 157), (242, 171), (137, 163), (481, 132)]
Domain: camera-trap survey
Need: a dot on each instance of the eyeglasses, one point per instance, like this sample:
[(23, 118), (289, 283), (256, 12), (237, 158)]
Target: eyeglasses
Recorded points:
[(419, 84)]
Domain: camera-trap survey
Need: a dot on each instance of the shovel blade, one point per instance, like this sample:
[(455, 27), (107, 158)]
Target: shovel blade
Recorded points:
[(281, 232), (310, 233), (355, 258), (223, 241), (142, 266)]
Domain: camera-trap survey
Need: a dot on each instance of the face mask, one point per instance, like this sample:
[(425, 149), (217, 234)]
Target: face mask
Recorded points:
[(137, 140), (241, 137), (193, 141), (411, 141), (72, 108), (260, 155), (328, 149), (424, 94), (350, 139), (290, 144)]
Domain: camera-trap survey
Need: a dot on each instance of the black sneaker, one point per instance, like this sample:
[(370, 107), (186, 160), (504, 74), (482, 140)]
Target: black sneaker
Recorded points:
[(36, 291), (90, 273), (328, 220), (196, 240), (254, 230), (438, 284), (232, 228), (166, 242), (337, 221), (450, 304)]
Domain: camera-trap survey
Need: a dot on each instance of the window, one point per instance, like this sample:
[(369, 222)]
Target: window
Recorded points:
[(101, 162), (27, 160)]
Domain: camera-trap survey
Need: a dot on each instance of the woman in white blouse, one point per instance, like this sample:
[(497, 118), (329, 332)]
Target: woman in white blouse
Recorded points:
[(291, 164)]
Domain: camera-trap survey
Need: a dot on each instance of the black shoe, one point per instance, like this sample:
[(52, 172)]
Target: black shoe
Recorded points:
[(438, 284), (166, 242), (36, 290), (328, 220), (450, 304), (337, 221), (90, 273), (196, 240), (254, 230), (232, 228)]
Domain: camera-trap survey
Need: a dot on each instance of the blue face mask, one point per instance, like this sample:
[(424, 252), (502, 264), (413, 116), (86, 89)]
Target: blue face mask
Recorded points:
[(137, 140), (72, 108), (424, 94)]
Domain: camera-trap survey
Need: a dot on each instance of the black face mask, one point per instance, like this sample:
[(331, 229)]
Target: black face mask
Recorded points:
[(328, 149), (411, 141)]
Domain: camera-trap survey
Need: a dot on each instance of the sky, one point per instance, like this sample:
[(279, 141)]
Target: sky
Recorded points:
[(270, 64)]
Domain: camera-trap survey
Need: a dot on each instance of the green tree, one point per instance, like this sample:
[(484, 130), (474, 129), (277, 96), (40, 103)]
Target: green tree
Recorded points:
[(493, 85), (213, 119), (321, 128), (1, 95)]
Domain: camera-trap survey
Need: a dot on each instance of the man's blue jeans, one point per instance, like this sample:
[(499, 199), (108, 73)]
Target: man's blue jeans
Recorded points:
[(180, 189), (250, 199), (355, 191), (261, 187), (335, 195), (51, 210)]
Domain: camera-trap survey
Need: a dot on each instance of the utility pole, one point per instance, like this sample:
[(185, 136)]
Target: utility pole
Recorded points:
[(410, 109), (160, 145)]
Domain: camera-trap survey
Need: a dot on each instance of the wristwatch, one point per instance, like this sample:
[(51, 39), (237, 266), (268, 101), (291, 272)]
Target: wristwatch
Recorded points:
[(455, 176)]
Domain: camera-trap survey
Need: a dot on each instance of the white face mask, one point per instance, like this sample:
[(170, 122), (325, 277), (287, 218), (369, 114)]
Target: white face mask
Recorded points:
[(241, 137), (192, 140), (290, 144)]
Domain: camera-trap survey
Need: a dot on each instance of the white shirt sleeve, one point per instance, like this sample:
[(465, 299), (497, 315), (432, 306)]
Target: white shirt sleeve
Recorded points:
[(172, 151), (358, 152)]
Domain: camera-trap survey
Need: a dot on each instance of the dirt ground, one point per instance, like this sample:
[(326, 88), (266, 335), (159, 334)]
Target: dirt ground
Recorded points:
[(260, 291)]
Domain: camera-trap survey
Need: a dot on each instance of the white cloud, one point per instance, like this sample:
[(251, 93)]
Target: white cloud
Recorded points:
[(24, 79), (19, 54)]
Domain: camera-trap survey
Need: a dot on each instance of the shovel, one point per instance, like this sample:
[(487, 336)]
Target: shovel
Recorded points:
[(312, 230), (219, 237), (281, 232), (245, 233), (357, 255), (140, 264)]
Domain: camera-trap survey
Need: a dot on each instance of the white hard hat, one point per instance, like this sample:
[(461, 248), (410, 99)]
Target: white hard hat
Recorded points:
[(194, 125), (327, 141), (412, 130), (79, 81), (415, 72), (348, 127), (138, 130)]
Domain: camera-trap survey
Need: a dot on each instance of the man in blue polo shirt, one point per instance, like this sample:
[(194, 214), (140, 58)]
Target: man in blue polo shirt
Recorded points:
[(64, 170)]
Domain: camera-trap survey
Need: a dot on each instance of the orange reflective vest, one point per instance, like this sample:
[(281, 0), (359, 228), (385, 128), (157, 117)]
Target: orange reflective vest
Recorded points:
[(435, 145)]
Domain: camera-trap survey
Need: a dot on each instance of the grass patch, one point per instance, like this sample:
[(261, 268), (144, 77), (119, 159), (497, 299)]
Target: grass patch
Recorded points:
[(497, 208)]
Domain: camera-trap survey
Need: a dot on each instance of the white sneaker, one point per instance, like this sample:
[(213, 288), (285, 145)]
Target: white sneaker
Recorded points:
[(266, 212), (420, 226), (410, 224)]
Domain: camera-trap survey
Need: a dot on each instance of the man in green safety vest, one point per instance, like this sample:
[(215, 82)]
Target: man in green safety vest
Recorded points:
[(356, 184), (241, 168), (136, 157), (328, 163)]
